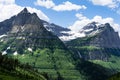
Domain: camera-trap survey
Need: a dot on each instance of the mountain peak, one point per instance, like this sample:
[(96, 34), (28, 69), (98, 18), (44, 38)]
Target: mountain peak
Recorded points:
[(91, 25), (94, 23), (25, 17), (24, 11), (108, 27), (107, 24)]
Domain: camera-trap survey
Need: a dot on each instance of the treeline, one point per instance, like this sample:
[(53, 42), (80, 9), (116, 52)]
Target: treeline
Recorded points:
[(12, 67), (11, 64)]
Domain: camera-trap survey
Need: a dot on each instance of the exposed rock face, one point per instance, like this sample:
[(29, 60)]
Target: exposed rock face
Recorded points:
[(103, 35), (55, 29), (89, 28), (99, 46), (39, 47), (107, 38), (5, 26), (25, 31)]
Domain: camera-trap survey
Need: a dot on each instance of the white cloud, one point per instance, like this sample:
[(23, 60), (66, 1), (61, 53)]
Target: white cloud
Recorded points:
[(108, 3), (65, 6), (80, 16), (68, 6), (45, 3), (40, 14), (83, 20), (79, 24), (112, 4), (7, 1), (8, 8)]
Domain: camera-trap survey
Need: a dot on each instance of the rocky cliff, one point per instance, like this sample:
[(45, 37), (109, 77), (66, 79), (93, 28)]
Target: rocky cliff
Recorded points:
[(26, 30), (100, 43)]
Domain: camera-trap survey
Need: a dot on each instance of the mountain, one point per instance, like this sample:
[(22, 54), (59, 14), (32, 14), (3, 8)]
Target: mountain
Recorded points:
[(35, 42), (91, 28), (25, 31), (56, 29), (101, 36), (65, 34), (100, 46), (25, 38)]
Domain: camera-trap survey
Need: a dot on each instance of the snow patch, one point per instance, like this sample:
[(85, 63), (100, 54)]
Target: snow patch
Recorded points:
[(88, 30), (8, 47), (30, 49), (15, 53), (1, 40), (47, 26), (20, 38), (94, 32), (22, 27), (4, 52), (3, 35), (67, 32), (98, 24), (72, 35)]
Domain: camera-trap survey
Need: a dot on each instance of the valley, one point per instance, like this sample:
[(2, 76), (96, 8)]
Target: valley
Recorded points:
[(38, 45)]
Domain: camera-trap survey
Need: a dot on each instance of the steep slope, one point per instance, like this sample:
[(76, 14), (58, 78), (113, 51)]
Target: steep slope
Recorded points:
[(57, 30), (106, 38), (26, 31), (84, 67), (101, 48), (26, 39), (10, 67), (65, 34), (92, 28)]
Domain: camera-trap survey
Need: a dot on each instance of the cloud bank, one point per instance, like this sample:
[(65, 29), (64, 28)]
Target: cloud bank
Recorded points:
[(8, 8), (65, 6), (108, 3), (83, 20), (112, 4), (45, 3)]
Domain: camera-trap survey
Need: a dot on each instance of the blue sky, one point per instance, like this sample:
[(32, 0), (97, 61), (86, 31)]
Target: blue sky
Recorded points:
[(67, 13), (67, 18)]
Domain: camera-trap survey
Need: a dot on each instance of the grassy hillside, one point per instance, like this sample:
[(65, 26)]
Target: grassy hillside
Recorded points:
[(101, 58), (12, 69), (58, 63)]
